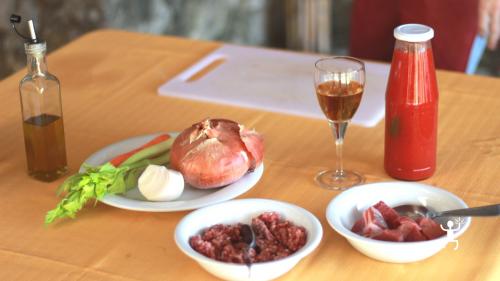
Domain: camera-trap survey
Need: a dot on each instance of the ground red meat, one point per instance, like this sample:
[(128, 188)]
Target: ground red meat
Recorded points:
[(276, 238)]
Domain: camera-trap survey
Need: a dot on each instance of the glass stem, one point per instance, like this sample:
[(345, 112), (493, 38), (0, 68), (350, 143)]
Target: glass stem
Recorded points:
[(339, 128)]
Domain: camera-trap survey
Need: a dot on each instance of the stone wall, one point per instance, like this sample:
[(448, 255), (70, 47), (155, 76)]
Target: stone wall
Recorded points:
[(58, 21), (249, 22)]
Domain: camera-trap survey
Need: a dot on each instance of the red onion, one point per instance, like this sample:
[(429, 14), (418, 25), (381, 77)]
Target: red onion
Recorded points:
[(216, 152)]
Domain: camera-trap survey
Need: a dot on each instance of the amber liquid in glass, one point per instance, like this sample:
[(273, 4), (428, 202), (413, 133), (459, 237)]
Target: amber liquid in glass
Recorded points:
[(45, 147), (339, 101)]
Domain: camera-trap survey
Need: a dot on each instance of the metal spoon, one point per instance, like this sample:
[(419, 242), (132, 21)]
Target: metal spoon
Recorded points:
[(248, 237), (416, 211)]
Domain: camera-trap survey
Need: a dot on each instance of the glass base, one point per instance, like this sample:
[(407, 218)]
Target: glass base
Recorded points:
[(329, 180), (48, 176)]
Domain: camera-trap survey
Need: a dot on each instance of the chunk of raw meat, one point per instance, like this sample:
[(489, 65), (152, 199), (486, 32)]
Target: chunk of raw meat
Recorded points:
[(390, 215), (381, 222), (430, 228), (394, 235), (371, 224), (415, 235), (358, 227), (410, 230)]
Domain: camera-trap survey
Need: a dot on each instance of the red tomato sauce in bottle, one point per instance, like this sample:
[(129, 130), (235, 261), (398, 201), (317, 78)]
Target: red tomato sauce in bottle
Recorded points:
[(411, 106)]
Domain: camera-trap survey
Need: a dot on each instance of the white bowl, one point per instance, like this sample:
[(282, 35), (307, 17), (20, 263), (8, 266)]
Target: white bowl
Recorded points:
[(243, 211), (343, 211)]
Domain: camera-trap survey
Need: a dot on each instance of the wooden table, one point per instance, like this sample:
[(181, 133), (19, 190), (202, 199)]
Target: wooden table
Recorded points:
[(109, 82)]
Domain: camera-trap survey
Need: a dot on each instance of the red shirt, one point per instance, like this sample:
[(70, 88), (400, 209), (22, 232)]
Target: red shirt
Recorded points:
[(454, 23)]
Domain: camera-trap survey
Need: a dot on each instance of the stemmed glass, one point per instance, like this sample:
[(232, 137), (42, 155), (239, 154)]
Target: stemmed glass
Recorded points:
[(339, 83)]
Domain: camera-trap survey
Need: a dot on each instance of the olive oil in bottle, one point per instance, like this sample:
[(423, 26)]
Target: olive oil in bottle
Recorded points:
[(42, 112), (44, 141)]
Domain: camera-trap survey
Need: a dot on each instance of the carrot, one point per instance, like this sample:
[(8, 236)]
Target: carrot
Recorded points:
[(123, 157)]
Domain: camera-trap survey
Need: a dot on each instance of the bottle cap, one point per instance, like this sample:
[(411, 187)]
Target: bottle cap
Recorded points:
[(35, 48), (413, 32), (32, 38)]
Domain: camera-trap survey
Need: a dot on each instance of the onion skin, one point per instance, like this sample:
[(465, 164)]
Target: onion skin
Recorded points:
[(255, 146), (216, 152)]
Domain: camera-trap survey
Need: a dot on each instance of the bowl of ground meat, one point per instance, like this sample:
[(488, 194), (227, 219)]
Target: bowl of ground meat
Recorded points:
[(215, 237), (364, 215)]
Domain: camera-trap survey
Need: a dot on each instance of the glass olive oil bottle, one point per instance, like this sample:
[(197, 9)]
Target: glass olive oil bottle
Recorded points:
[(41, 112)]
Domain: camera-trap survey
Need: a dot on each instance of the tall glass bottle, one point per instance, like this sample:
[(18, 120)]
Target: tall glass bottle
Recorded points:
[(42, 116), (411, 106)]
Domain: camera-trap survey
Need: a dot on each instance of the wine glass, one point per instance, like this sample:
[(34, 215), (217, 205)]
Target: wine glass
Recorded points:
[(339, 83)]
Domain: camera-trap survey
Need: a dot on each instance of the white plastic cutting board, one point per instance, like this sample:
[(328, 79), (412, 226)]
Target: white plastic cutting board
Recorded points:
[(272, 80)]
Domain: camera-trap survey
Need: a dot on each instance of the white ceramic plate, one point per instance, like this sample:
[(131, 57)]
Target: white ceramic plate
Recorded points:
[(191, 198)]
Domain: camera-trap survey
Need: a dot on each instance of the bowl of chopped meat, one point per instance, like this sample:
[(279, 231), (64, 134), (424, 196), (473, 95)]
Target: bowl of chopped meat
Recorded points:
[(248, 239), (366, 217)]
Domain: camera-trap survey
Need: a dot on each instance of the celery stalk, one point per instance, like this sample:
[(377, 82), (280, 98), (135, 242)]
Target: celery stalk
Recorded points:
[(150, 152), (96, 182)]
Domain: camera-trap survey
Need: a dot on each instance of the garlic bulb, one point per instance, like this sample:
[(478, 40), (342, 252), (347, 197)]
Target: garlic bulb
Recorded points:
[(157, 183)]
